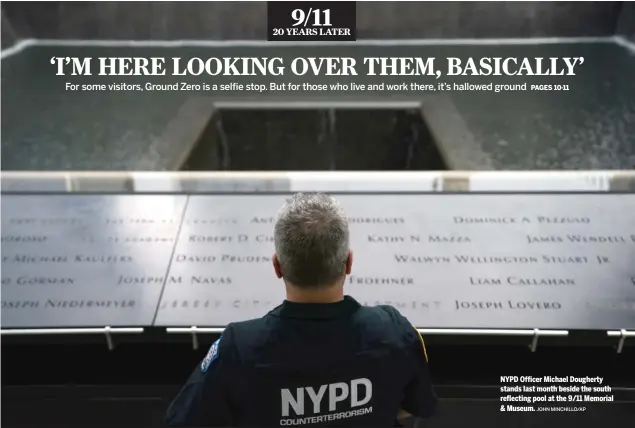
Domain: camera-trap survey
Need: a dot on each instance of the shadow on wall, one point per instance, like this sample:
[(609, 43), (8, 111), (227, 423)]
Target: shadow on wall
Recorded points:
[(247, 20)]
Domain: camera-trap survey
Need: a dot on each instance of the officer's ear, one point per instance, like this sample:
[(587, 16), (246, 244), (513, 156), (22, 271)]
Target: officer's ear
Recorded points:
[(349, 262), (276, 266)]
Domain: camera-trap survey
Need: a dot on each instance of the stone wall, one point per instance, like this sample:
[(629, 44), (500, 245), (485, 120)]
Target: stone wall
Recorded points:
[(8, 36), (247, 20), (626, 23)]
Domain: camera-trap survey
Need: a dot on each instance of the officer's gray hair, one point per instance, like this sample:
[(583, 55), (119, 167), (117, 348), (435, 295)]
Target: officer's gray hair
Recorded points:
[(311, 239)]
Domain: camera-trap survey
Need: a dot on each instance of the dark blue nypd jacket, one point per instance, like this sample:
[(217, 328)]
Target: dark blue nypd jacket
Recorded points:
[(336, 364)]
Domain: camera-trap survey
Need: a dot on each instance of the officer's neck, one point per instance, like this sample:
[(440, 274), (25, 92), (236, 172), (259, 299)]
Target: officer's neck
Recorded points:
[(331, 294)]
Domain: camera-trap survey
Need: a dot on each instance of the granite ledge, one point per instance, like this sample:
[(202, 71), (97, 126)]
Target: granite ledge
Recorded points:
[(358, 182)]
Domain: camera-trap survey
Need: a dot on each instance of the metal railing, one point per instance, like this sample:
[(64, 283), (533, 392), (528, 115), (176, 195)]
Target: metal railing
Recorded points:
[(195, 331), (107, 331)]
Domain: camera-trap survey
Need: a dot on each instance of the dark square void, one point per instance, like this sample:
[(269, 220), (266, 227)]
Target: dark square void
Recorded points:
[(315, 140)]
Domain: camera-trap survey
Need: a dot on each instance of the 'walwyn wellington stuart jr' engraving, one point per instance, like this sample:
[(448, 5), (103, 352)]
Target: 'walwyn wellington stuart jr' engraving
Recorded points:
[(515, 259), (445, 261)]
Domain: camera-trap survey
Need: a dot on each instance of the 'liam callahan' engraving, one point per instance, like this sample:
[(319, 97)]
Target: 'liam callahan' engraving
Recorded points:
[(513, 280)]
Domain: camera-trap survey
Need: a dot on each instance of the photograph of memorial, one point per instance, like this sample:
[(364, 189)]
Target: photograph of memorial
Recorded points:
[(482, 155)]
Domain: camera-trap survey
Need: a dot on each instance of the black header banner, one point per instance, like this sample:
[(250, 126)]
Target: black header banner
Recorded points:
[(311, 21)]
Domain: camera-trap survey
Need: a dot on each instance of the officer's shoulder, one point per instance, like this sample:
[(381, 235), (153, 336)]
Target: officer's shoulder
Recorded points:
[(384, 313), (238, 327), (389, 320), (249, 331)]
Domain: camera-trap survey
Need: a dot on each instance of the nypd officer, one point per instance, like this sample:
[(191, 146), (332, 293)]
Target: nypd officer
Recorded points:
[(318, 359)]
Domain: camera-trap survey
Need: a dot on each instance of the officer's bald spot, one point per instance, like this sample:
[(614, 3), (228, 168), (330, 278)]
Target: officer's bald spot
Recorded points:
[(311, 240)]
